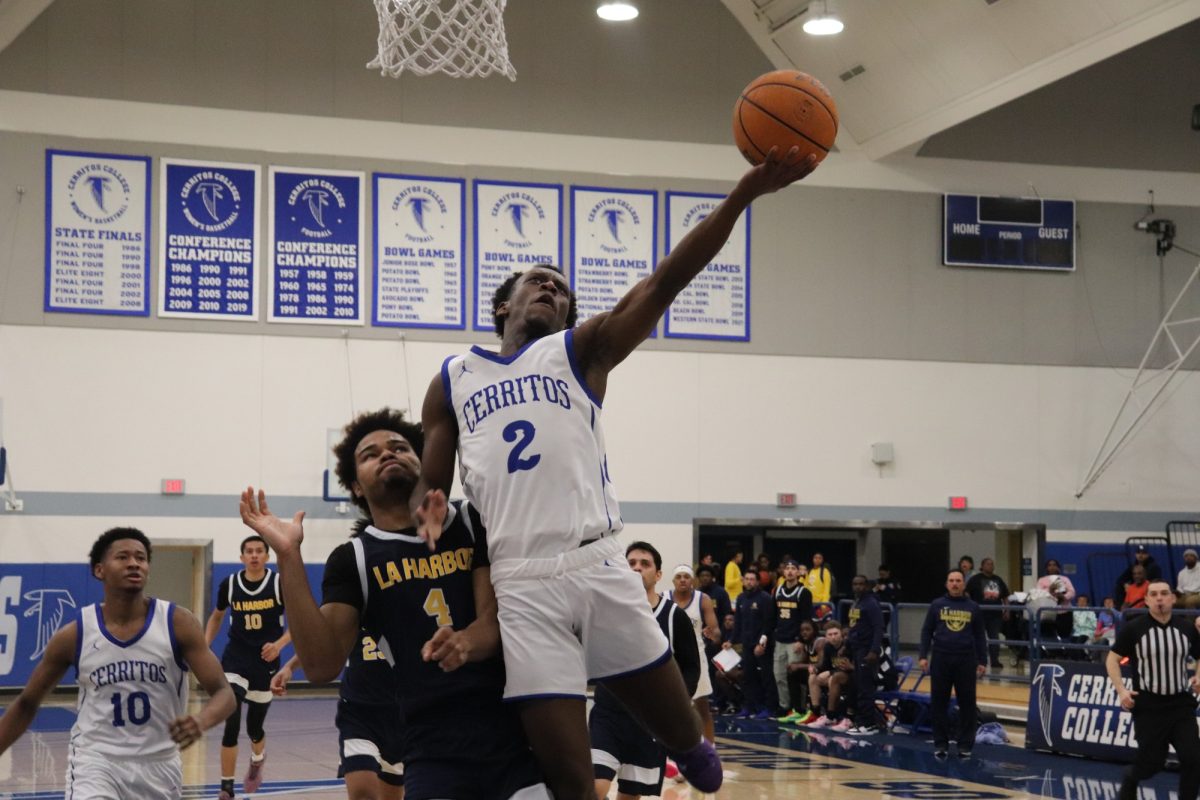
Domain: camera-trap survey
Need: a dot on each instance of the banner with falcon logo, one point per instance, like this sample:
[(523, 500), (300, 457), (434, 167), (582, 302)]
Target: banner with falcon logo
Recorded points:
[(420, 252), (614, 240), (517, 226), (208, 264), (315, 235), (716, 304), (97, 233)]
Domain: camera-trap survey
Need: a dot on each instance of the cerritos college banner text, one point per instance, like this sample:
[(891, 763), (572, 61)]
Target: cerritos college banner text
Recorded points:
[(315, 239), (517, 225), (208, 245), (716, 304), (614, 237), (420, 252), (97, 233)]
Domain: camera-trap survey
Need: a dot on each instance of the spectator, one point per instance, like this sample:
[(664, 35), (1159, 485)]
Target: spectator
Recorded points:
[(1060, 588), (866, 647), (966, 565), (990, 593), (820, 580), (887, 588), (766, 575), (1187, 586), (1141, 556), (1106, 624), (832, 676), (754, 621), (733, 575), (706, 560), (1135, 590), (1083, 623)]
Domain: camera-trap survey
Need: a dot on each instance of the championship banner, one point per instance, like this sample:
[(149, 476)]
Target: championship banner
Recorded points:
[(614, 237), (97, 233), (716, 304), (315, 235), (1073, 709), (208, 241), (517, 225), (420, 252)]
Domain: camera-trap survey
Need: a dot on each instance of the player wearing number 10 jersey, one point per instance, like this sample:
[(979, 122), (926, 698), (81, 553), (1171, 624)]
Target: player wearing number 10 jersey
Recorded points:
[(131, 654)]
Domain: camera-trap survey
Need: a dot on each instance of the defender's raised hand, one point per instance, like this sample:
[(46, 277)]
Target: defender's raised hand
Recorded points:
[(282, 536)]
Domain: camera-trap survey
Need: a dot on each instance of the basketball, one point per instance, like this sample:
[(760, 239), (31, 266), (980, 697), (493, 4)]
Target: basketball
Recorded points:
[(784, 109)]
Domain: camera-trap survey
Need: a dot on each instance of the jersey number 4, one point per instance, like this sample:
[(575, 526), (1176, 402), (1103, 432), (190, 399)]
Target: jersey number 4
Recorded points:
[(436, 607), (520, 432), (136, 706)]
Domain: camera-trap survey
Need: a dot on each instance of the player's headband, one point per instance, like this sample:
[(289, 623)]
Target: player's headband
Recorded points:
[(683, 569)]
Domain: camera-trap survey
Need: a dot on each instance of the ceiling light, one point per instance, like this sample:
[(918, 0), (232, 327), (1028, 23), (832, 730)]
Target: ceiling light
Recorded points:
[(822, 23), (617, 12)]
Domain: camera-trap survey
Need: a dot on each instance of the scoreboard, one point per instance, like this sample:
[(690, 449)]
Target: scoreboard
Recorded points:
[(1009, 232)]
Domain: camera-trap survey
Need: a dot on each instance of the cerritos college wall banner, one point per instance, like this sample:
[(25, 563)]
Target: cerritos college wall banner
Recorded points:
[(420, 252), (716, 304), (315, 235), (517, 225), (97, 233), (208, 246), (614, 236)]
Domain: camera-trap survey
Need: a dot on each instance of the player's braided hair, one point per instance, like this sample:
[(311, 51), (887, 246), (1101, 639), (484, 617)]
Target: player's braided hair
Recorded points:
[(385, 419), (504, 291)]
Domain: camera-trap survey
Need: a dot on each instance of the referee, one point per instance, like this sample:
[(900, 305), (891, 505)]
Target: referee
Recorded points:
[(1162, 702)]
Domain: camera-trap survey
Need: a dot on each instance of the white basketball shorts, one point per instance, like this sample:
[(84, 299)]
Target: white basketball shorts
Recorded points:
[(704, 686), (97, 776), (581, 616)]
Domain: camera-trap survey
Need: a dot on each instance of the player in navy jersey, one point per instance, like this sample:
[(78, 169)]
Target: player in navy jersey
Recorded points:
[(256, 636), (369, 720), (621, 747), (131, 654), (433, 613), (524, 424)]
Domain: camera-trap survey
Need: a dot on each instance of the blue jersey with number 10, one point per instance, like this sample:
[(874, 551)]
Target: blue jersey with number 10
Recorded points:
[(531, 448)]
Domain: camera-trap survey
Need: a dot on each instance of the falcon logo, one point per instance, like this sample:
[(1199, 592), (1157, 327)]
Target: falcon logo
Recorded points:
[(50, 606), (1046, 685)]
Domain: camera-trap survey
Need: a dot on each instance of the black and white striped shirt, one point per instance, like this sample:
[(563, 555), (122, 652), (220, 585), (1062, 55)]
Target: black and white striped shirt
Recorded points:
[(1158, 653)]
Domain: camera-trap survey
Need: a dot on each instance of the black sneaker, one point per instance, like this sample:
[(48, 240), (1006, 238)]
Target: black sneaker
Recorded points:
[(940, 753), (964, 754)]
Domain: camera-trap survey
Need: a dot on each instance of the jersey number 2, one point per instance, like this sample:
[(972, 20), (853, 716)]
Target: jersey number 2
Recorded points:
[(136, 705), (521, 432)]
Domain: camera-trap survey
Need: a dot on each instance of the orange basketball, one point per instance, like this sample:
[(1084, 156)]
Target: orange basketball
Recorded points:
[(784, 109)]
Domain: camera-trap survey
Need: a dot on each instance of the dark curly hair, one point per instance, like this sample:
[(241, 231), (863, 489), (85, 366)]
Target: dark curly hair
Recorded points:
[(385, 419), (100, 547), (504, 291)]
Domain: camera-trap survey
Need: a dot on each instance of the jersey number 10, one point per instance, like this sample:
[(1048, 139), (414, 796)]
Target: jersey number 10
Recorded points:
[(136, 706)]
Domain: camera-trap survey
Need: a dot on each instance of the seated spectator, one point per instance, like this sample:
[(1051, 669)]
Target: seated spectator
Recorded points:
[(1083, 624), (1106, 626), (1187, 586), (832, 678), (1135, 590), (1059, 587), (1141, 558)]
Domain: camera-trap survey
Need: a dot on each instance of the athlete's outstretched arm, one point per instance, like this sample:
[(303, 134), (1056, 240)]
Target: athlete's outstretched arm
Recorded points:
[(322, 636), (59, 655), (607, 339), (428, 501), (200, 660), (478, 641)]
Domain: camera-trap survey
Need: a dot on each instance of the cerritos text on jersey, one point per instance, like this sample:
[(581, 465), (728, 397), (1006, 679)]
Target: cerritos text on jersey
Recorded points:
[(428, 568), (127, 671), (517, 391)]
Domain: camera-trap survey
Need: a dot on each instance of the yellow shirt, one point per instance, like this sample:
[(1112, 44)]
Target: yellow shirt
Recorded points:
[(819, 583), (733, 580)]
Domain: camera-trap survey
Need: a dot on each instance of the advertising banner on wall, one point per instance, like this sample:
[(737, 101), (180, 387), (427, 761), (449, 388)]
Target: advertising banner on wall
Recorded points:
[(208, 240), (517, 225), (97, 233), (716, 304), (614, 239), (315, 238), (420, 252)]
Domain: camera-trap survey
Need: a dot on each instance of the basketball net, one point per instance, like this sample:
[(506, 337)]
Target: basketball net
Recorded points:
[(462, 38)]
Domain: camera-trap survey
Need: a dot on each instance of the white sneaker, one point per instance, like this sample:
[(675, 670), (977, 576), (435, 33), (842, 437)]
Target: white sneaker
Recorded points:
[(821, 722), (842, 725)]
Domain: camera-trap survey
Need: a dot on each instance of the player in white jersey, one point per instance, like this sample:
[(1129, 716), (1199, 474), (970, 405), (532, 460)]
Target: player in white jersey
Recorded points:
[(525, 426), (699, 608), (131, 655)]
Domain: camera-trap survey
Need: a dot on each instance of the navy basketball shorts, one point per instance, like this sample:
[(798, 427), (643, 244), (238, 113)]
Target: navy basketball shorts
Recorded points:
[(370, 739), (623, 749), (246, 669)]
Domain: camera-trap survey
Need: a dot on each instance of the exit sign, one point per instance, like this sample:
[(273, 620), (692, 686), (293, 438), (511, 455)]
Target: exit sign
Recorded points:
[(785, 499), (172, 486), (957, 503)]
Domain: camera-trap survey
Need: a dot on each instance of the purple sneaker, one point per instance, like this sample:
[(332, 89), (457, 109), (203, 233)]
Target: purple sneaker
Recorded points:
[(253, 779), (701, 766)]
